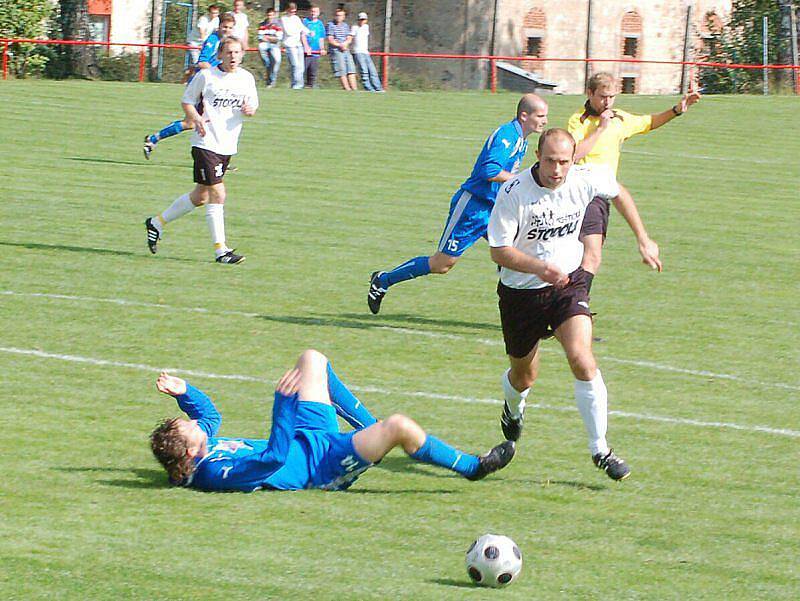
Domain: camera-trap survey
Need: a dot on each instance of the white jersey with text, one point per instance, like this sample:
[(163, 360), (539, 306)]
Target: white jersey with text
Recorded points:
[(221, 96), (546, 223)]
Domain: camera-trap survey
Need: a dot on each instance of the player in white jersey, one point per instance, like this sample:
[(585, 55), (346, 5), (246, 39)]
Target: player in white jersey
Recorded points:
[(534, 237), (215, 103)]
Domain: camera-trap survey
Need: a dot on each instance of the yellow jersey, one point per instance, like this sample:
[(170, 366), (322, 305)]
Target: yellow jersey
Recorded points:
[(606, 149)]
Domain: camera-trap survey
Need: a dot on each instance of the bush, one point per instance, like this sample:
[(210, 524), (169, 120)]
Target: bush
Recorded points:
[(123, 67)]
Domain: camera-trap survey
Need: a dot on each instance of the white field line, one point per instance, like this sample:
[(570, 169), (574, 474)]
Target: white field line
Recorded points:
[(409, 331), (382, 391)]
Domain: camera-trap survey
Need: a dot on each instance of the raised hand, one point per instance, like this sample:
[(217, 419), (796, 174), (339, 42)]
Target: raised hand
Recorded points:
[(171, 385), (691, 97)]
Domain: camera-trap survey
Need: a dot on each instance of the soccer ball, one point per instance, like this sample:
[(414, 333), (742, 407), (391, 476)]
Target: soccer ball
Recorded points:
[(494, 560)]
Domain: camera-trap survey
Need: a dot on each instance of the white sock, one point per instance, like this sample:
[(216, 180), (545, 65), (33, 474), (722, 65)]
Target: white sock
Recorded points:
[(215, 216), (178, 208), (592, 400), (514, 398)]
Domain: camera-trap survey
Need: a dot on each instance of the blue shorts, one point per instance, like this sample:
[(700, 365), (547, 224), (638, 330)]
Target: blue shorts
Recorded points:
[(342, 63), (467, 221), (333, 462)]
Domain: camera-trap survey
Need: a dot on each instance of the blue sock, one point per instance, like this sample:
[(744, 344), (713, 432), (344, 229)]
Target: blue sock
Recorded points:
[(437, 452), (347, 406), (170, 130), (410, 269)]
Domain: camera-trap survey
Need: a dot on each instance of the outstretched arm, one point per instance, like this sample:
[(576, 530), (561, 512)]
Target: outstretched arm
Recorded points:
[(647, 247), (690, 98), (192, 401)]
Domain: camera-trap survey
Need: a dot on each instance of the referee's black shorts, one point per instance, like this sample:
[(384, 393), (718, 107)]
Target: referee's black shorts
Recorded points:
[(529, 315)]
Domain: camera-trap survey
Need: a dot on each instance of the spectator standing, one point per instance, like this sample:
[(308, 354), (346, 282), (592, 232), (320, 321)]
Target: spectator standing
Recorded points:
[(240, 29), (316, 43), (369, 75), (296, 43), (270, 34), (339, 39), (205, 26)]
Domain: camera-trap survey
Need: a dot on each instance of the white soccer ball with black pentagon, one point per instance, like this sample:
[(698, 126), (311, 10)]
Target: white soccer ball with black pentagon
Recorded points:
[(494, 560)]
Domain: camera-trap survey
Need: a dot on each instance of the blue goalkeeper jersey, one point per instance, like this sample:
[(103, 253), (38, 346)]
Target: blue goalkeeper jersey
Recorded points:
[(305, 449), (208, 53), (502, 151), (248, 464)]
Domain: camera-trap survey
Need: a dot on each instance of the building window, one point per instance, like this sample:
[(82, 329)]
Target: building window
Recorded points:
[(99, 28), (631, 46), (534, 47), (631, 31), (628, 85)]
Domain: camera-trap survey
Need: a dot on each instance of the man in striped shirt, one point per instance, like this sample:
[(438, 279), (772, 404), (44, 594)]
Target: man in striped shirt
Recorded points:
[(339, 39)]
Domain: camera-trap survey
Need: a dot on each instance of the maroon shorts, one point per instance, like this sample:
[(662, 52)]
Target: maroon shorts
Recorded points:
[(595, 221), (209, 167), (528, 316)]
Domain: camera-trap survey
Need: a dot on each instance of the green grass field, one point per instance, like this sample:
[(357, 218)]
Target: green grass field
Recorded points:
[(700, 360)]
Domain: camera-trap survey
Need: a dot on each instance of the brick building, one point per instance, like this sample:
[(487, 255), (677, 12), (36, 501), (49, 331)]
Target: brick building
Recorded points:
[(642, 29), (540, 29)]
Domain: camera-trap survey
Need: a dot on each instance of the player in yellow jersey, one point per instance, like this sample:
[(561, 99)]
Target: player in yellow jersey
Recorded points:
[(599, 131)]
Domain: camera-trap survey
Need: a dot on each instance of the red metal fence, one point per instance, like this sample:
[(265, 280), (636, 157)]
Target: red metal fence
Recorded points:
[(6, 42)]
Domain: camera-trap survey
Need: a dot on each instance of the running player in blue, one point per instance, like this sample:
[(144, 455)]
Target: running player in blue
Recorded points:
[(471, 206), (305, 448), (208, 58)]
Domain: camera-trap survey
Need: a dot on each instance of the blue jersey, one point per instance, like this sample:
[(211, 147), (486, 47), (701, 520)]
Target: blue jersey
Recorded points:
[(502, 151), (304, 450), (208, 53)]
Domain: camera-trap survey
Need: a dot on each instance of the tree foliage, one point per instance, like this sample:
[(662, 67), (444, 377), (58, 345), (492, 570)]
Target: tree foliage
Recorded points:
[(742, 41), (25, 19)]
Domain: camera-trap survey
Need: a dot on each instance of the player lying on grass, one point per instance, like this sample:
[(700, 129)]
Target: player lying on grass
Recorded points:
[(305, 448)]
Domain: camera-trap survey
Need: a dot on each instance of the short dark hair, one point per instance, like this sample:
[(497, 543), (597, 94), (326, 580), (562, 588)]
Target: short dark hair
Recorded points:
[(227, 18), (227, 42), (170, 447), (557, 132)]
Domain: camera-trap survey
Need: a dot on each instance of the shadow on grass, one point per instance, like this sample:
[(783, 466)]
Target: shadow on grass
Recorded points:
[(563, 483), (404, 465), (143, 478), (92, 250), (361, 322), (407, 318), (355, 490), (134, 163), (452, 582)]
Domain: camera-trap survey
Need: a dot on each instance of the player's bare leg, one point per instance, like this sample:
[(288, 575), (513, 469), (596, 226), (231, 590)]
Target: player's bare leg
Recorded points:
[(591, 396), (441, 263), (375, 442), (517, 381)]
